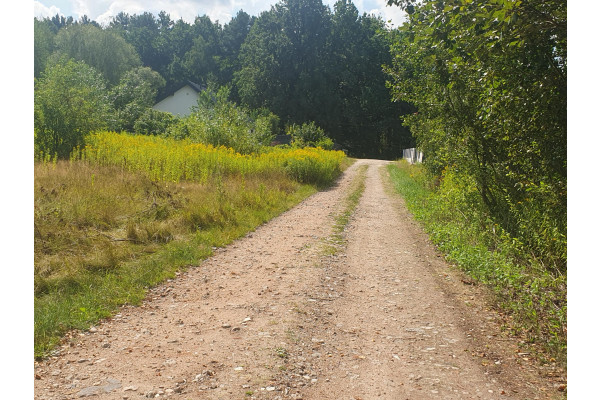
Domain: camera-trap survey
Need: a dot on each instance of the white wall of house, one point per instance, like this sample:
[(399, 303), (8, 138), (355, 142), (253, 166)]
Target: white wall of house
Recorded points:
[(180, 103)]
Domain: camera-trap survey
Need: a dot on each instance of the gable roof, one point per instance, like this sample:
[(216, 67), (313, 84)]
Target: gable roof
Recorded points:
[(196, 87)]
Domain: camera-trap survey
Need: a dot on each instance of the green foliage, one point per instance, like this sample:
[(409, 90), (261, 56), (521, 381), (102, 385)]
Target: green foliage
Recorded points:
[(107, 52), (199, 62), (368, 123), (70, 101), (219, 122), (233, 36), (266, 122), (154, 122), (134, 95), (307, 64), (309, 135), (43, 46), (300, 60), (453, 214), (489, 81)]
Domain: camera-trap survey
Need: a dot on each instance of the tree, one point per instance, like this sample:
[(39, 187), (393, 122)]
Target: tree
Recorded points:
[(134, 94), (265, 57), (85, 20), (43, 45), (233, 36), (307, 64), (142, 32), (58, 21), (199, 63), (281, 60), (71, 101), (107, 52), (369, 124), (489, 81)]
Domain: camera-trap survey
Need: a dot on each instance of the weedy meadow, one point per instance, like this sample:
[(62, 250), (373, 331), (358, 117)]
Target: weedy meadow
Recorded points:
[(127, 212)]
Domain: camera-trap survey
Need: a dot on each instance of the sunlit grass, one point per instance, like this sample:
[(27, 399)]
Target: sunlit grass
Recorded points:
[(172, 160)]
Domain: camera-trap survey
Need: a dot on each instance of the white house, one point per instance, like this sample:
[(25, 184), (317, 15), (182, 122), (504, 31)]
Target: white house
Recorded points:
[(181, 102)]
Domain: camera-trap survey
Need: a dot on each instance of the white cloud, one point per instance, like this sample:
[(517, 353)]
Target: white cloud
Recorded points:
[(41, 11), (389, 13), (102, 11)]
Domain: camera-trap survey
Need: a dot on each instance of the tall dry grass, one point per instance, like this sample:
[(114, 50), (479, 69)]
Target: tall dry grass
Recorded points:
[(103, 234)]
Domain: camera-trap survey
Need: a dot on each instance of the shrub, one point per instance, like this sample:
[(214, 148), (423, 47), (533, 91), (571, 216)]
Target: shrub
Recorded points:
[(70, 101), (219, 122), (134, 95), (154, 122), (309, 135)]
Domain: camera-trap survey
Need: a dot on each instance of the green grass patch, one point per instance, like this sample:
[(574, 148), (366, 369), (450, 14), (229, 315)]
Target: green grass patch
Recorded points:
[(336, 240), (533, 295)]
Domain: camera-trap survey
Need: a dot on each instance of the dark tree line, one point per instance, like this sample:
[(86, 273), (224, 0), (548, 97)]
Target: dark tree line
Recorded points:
[(301, 60)]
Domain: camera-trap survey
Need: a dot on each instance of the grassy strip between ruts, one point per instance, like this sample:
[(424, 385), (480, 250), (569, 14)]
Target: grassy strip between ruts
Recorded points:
[(104, 235), (336, 239), (533, 298)]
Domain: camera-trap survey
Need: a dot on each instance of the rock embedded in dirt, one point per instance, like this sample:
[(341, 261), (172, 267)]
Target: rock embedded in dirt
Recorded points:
[(110, 385)]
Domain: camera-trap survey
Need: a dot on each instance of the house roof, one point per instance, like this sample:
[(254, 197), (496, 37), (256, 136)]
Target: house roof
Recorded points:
[(197, 88)]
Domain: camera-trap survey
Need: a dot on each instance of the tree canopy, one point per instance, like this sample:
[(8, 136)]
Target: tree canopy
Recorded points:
[(107, 52), (309, 64), (488, 78), (70, 101)]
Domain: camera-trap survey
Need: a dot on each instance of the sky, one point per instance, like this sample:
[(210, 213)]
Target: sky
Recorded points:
[(102, 11)]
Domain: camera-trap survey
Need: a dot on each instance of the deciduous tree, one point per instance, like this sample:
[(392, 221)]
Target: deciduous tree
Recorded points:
[(489, 81), (134, 94), (107, 52), (71, 101), (43, 45)]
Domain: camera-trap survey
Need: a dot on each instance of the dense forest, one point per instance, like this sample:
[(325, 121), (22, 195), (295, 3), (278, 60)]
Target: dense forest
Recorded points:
[(300, 60)]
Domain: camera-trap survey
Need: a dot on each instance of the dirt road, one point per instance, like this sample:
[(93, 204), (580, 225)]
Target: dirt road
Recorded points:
[(274, 316)]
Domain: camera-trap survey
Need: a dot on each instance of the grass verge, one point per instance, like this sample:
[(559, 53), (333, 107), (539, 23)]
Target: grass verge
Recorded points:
[(533, 297), (104, 235)]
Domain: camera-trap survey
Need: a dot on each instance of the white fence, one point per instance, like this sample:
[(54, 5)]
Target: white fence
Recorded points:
[(412, 155)]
